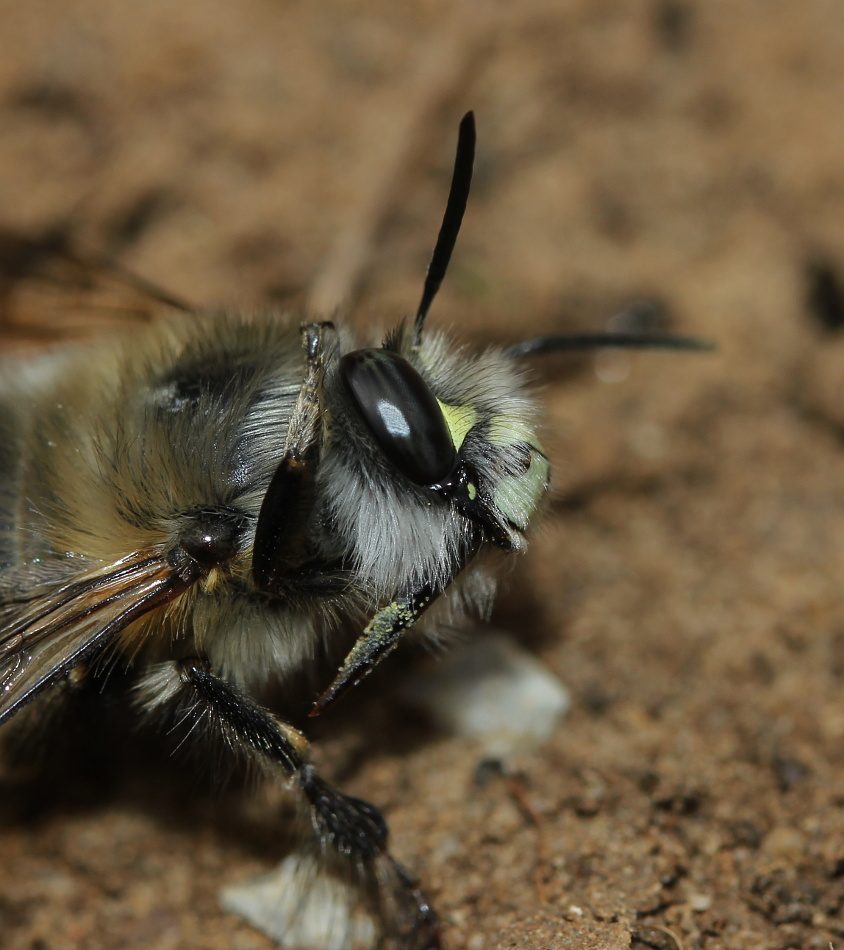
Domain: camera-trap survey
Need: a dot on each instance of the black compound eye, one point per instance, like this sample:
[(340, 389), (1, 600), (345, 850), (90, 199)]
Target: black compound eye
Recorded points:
[(402, 413)]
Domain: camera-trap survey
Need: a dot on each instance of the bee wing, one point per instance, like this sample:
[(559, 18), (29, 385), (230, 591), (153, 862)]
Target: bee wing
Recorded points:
[(46, 631)]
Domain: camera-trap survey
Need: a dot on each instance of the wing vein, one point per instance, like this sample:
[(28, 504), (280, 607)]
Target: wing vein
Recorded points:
[(50, 635)]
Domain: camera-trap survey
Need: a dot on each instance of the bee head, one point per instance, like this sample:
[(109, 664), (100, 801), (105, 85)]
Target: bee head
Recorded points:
[(430, 456), (460, 432)]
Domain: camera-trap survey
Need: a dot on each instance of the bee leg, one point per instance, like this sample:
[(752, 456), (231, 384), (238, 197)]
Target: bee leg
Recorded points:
[(281, 533), (354, 830), (247, 726), (351, 825), (380, 638)]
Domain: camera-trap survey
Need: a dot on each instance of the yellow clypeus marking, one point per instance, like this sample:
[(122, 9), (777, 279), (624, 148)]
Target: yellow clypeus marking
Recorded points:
[(459, 420)]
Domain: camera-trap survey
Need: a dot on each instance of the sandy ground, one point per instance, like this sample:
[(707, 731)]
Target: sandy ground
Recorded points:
[(686, 582)]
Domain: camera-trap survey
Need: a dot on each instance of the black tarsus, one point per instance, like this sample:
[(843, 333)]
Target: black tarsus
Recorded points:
[(352, 825), (588, 341), (426, 915), (458, 195)]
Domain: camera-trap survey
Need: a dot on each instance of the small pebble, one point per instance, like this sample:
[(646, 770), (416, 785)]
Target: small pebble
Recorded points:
[(491, 689), (301, 906)]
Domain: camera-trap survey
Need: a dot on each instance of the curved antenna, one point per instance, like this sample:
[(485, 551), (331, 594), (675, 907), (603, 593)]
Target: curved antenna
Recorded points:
[(458, 194), (589, 341)]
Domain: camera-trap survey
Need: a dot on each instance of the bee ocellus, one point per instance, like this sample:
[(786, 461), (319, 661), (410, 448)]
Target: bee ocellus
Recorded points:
[(212, 500)]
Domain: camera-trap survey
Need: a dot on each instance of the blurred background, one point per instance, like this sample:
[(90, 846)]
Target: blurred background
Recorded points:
[(670, 163)]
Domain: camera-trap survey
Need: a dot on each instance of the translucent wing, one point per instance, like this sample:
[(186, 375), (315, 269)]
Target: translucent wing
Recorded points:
[(46, 629)]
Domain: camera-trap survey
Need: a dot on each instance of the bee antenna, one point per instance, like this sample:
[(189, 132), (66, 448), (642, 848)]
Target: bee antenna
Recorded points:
[(458, 194)]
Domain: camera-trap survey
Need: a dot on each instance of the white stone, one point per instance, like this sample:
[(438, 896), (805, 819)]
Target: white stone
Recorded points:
[(301, 906), (491, 689)]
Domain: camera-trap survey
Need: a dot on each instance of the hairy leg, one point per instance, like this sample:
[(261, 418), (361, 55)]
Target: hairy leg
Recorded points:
[(349, 836)]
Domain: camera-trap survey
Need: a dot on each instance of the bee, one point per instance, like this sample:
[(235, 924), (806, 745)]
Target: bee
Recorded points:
[(215, 500)]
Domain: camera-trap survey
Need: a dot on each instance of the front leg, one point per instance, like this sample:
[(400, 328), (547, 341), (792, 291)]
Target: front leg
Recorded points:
[(348, 835)]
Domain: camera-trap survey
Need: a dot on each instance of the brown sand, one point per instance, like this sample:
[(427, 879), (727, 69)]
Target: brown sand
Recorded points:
[(686, 584)]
